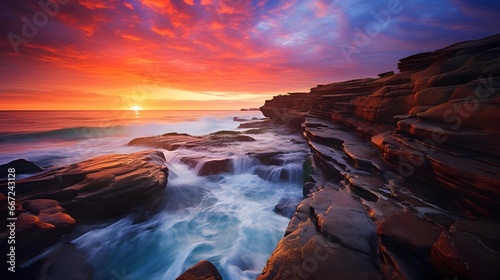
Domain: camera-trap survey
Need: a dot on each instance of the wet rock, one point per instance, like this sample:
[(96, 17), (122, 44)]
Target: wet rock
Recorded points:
[(422, 141), (238, 119), (286, 207), (315, 241), (256, 124), (307, 188), (40, 224), (169, 141), (204, 270), (32, 236), (52, 202), (256, 130), (49, 211), (215, 166), (267, 158), (174, 141)]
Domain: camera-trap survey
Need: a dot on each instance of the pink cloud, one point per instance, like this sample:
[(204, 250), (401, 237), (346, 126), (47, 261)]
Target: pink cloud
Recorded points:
[(221, 46)]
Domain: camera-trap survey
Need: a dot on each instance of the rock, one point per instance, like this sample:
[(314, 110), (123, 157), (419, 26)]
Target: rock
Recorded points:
[(386, 74), (52, 202), (215, 166), (468, 250), (405, 244), (286, 207), (256, 124), (173, 141), (238, 119), (49, 211), (422, 142), (169, 141), (315, 242), (267, 158), (306, 190), (204, 270), (405, 231), (22, 166), (32, 237), (207, 166)]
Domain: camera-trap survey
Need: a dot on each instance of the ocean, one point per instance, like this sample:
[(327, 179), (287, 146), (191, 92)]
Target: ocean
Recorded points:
[(61, 137), (228, 219)]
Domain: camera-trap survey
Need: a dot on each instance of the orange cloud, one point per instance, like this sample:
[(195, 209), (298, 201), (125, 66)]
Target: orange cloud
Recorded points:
[(165, 32), (171, 53), (92, 4)]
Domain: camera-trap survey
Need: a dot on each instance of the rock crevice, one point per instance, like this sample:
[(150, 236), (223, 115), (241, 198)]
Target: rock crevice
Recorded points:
[(413, 161)]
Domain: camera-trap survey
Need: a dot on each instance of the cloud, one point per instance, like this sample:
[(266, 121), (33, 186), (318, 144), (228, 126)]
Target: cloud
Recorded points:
[(235, 48)]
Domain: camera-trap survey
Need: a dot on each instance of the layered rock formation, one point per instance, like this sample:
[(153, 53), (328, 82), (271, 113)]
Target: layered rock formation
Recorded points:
[(50, 204), (409, 185)]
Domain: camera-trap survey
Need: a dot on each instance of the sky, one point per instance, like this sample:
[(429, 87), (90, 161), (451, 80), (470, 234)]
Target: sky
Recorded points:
[(212, 54)]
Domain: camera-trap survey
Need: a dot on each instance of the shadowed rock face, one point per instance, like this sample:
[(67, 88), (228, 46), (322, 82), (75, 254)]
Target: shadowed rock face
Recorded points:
[(49, 204), (203, 270), (417, 153)]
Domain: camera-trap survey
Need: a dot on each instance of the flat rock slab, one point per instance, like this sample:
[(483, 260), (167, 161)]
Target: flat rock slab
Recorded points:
[(174, 141), (329, 228), (406, 231)]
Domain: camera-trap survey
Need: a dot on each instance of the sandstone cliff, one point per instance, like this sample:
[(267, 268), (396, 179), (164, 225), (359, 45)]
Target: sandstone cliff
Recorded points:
[(409, 185)]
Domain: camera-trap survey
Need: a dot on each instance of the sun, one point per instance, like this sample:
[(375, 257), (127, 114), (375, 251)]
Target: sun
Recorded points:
[(135, 108)]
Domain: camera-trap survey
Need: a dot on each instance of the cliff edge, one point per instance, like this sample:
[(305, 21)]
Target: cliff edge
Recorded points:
[(408, 183)]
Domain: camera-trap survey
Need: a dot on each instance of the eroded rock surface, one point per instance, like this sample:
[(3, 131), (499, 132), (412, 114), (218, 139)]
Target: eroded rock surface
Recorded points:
[(50, 204), (417, 152)]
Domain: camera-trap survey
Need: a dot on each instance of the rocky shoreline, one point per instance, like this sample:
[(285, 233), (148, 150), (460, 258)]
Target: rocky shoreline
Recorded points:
[(50, 204), (409, 184), (404, 180), (57, 205)]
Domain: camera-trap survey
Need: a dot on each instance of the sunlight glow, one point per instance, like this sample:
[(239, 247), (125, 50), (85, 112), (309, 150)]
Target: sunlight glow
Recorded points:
[(135, 108)]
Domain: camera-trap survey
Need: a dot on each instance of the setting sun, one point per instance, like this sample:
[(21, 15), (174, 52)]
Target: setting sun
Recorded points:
[(135, 108)]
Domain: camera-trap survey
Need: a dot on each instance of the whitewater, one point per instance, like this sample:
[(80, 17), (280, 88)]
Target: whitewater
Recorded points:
[(230, 219)]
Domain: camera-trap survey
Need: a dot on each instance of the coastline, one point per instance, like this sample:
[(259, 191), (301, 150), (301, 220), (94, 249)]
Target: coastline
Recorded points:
[(403, 186), (411, 168)]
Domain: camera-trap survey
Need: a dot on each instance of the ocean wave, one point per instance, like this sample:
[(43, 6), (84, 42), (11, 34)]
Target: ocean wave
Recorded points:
[(71, 133)]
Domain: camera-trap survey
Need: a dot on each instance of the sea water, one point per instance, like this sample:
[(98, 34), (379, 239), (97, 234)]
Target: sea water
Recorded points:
[(228, 219)]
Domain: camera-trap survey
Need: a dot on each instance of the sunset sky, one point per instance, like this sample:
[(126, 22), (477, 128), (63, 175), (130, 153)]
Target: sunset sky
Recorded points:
[(213, 54)]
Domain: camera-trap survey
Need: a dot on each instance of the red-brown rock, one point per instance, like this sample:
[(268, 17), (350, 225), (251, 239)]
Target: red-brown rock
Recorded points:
[(204, 270)]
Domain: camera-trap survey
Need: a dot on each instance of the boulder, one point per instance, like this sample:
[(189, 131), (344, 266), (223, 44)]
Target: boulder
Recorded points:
[(51, 203), (204, 270)]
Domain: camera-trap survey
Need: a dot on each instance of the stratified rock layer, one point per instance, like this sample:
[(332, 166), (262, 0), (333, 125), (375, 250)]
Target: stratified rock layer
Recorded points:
[(50, 204), (407, 160)]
